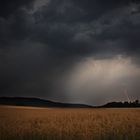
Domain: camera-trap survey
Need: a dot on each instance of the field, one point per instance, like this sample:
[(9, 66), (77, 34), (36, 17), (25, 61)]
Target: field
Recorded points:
[(27, 123)]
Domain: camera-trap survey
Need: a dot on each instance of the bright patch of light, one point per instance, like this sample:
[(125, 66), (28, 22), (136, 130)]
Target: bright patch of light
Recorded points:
[(91, 79)]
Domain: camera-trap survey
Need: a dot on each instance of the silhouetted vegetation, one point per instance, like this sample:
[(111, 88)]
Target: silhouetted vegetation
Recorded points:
[(135, 103)]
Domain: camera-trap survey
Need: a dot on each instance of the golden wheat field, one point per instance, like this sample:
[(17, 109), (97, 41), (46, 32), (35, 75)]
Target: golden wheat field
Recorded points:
[(27, 123)]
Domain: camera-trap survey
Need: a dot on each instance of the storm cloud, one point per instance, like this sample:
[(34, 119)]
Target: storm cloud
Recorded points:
[(44, 45)]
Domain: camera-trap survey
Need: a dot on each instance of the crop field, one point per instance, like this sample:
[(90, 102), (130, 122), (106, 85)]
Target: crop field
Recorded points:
[(27, 123)]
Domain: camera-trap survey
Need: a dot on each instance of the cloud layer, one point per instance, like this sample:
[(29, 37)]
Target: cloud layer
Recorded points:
[(42, 41)]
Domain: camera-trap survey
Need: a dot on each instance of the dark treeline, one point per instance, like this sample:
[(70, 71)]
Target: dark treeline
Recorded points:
[(135, 103)]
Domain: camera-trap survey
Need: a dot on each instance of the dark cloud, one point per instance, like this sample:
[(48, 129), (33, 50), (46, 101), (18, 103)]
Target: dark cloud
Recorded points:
[(74, 27), (40, 45), (79, 10), (9, 7)]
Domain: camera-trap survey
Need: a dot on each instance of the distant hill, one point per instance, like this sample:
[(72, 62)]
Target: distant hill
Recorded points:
[(36, 102), (135, 103)]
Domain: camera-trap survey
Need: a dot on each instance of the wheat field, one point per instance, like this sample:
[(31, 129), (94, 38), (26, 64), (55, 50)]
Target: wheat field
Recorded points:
[(28, 123)]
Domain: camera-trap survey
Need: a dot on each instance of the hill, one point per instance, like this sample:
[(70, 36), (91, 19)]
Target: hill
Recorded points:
[(135, 103), (36, 102)]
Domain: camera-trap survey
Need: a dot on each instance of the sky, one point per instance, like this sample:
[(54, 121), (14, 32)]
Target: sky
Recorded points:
[(77, 51)]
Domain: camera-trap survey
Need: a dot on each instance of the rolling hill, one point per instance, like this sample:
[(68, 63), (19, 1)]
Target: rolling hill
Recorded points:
[(36, 102)]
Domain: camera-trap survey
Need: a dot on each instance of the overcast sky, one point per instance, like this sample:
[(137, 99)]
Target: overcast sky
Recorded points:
[(84, 51)]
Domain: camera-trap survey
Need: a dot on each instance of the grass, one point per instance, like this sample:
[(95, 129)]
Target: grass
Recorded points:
[(27, 123)]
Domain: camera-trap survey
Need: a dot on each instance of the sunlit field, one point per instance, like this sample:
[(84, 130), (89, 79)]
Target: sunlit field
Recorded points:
[(27, 123)]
